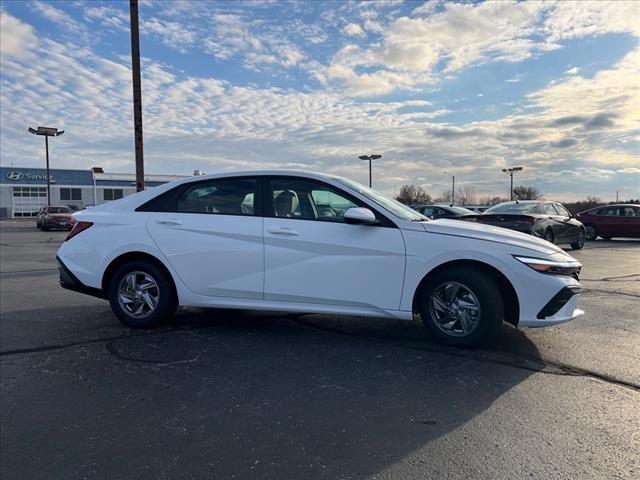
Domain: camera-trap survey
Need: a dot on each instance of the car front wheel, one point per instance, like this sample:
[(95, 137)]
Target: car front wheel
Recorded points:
[(591, 232), (579, 243), (548, 236), (462, 307), (141, 294)]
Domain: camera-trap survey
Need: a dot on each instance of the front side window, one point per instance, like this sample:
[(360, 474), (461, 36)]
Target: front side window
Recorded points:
[(562, 211), (308, 200), (549, 209), (223, 197), (609, 211)]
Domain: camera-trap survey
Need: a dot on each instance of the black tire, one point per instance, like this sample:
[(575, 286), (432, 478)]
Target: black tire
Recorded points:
[(166, 303), (579, 243), (44, 229), (486, 292), (591, 232), (549, 236)]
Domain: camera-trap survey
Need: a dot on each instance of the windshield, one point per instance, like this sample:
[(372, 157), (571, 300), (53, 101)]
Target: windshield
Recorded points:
[(398, 209), (514, 208)]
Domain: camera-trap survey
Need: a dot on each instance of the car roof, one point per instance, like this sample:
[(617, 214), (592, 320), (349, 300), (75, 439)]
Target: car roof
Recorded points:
[(262, 173)]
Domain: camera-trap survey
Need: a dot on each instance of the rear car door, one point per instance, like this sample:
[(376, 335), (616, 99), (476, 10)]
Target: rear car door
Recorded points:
[(315, 257), (211, 234), (629, 221)]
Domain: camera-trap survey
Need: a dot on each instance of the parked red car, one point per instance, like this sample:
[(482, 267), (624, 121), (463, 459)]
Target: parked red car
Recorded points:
[(55, 217), (612, 221)]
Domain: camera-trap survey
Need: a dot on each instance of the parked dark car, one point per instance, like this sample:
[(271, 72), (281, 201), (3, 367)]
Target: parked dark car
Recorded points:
[(610, 221), (442, 211), (55, 217), (548, 220)]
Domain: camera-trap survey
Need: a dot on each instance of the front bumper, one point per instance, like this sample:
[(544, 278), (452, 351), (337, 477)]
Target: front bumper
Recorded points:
[(562, 308)]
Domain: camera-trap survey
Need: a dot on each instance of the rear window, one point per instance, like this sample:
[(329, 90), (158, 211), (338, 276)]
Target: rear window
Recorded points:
[(517, 208), (58, 210)]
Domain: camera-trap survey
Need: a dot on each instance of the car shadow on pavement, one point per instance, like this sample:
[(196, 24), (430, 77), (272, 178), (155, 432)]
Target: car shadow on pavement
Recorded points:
[(222, 394)]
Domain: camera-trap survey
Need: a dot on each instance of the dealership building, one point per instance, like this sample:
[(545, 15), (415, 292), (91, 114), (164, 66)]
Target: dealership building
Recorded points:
[(24, 190)]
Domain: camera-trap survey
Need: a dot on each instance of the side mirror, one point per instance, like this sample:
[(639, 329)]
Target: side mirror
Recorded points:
[(360, 216)]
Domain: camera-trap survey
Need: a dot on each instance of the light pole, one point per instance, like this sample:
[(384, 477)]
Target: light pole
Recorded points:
[(369, 158), (47, 132), (137, 93), (510, 171), (453, 186)]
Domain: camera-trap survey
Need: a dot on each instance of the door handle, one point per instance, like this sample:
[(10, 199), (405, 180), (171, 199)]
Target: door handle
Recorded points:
[(283, 231), (169, 222)]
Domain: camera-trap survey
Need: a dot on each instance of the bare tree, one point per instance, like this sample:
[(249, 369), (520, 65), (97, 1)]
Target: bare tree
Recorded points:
[(413, 195), (526, 193), (466, 195), (492, 200), (444, 197)]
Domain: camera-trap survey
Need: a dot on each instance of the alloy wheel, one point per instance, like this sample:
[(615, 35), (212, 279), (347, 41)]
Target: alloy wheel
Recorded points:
[(591, 232), (138, 294), (455, 309)]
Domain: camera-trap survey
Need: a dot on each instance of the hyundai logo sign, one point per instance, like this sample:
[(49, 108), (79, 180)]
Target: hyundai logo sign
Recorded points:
[(15, 176)]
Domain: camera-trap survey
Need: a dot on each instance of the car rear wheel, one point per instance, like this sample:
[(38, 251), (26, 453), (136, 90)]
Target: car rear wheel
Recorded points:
[(462, 307), (591, 232), (579, 243), (141, 295), (549, 236)]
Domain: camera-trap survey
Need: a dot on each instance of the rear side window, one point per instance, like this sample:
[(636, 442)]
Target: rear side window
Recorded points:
[(222, 197)]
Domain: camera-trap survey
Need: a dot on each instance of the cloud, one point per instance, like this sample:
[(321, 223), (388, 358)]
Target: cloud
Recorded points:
[(16, 37), (446, 38), (354, 30), (172, 34), (57, 16)]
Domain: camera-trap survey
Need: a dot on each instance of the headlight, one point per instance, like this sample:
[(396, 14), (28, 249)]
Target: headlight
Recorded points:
[(570, 268)]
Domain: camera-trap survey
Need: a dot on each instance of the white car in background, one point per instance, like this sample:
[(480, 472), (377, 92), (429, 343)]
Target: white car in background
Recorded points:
[(307, 242)]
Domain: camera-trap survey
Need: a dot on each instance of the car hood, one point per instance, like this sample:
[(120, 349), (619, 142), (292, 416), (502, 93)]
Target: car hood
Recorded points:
[(489, 233)]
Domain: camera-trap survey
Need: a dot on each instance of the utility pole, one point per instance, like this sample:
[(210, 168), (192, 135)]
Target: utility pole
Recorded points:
[(137, 93)]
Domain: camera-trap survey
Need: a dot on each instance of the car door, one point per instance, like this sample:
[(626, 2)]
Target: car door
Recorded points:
[(211, 234), (313, 258), (569, 225), (555, 222), (628, 221), (607, 220)]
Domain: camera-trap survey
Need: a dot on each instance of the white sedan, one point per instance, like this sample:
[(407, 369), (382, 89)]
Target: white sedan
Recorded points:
[(307, 242)]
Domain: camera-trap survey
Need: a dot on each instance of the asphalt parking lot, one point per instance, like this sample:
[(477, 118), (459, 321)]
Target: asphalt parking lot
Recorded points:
[(228, 394)]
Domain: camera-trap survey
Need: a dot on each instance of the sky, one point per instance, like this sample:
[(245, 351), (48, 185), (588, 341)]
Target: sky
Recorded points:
[(467, 88)]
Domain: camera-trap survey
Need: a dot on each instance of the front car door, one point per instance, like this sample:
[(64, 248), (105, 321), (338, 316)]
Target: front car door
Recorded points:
[(570, 226), (312, 256), (211, 233)]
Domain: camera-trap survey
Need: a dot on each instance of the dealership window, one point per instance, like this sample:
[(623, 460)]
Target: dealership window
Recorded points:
[(112, 193), (70, 194)]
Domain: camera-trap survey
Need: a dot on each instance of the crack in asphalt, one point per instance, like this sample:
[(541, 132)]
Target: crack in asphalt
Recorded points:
[(558, 367), (540, 365)]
